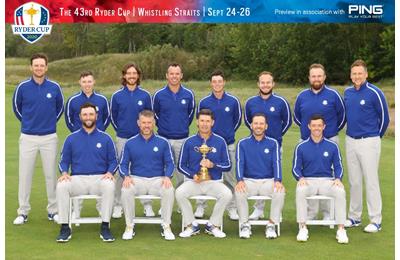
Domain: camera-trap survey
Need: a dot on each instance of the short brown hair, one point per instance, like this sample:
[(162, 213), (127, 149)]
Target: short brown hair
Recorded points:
[(174, 65), (39, 56), (125, 69), (217, 73), (146, 113), (265, 73), (359, 62), (205, 112), (85, 74), (317, 66), (86, 105)]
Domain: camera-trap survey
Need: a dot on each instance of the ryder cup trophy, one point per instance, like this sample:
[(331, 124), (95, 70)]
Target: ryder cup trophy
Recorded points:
[(204, 150)]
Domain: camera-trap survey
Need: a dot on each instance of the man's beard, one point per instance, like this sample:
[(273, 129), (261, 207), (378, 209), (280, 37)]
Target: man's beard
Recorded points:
[(92, 125), (265, 93), (317, 86)]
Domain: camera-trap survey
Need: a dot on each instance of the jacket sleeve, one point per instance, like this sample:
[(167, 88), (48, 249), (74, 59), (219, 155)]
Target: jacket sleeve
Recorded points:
[(147, 102), (106, 115), (114, 112), (341, 112), (247, 115), (112, 156), (240, 161), (17, 103), (238, 115), (124, 163), (383, 112), (297, 169), (296, 112), (156, 106), (183, 162), (59, 103), (66, 156), (277, 167), (286, 117), (69, 116), (224, 164), (191, 108), (337, 163), (168, 161)]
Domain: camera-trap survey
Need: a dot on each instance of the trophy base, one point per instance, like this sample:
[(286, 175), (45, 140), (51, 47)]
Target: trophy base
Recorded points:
[(204, 177)]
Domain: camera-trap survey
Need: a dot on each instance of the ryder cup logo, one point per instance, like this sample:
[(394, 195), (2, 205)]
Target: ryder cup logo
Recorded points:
[(31, 21), (98, 145), (326, 154), (325, 102), (48, 95), (362, 102)]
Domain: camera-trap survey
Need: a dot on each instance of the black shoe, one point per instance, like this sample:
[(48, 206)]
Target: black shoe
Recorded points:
[(65, 234), (105, 234)]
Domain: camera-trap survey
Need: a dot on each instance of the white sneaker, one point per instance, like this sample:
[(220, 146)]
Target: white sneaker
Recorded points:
[(372, 228), (351, 223), (117, 212), (199, 213), (190, 231), (129, 233), (233, 215), (166, 232), (302, 236), (257, 213), (341, 236), (270, 232), (56, 218), (148, 210), (245, 231), (215, 231), (21, 219)]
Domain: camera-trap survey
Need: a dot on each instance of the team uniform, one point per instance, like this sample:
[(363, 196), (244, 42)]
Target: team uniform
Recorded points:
[(258, 164), (38, 107), (74, 103), (174, 113), (277, 110), (319, 163), (227, 115), (328, 103), (189, 165), (125, 108), (148, 162), (90, 156), (367, 120)]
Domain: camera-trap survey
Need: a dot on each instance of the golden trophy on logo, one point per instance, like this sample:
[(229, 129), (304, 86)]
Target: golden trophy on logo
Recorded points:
[(204, 150)]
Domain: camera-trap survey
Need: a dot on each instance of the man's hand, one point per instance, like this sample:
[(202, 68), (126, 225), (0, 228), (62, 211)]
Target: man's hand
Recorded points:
[(278, 187), (240, 187), (206, 163), (64, 177), (108, 176), (338, 183), (166, 183), (128, 181), (196, 178), (302, 182)]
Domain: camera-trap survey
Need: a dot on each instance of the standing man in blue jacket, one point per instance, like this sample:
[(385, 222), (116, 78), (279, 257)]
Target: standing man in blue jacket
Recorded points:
[(38, 103), (126, 104), (228, 116), (367, 120), (146, 167), (279, 118), (317, 167), (319, 99), (259, 172), (92, 156), (174, 107), (190, 162), (87, 94)]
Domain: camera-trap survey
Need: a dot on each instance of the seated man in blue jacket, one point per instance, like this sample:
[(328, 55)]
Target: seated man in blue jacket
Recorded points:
[(92, 156), (146, 168), (317, 167), (258, 172), (190, 163)]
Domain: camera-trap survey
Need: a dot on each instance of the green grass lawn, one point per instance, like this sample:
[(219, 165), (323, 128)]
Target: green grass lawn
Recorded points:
[(36, 239)]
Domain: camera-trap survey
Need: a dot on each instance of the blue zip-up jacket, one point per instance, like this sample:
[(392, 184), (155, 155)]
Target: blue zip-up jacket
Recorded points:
[(38, 107), (277, 110), (147, 158), (366, 111), (258, 159), (315, 160), (88, 154), (327, 103), (227, 114), (174, 112), (74, 103), (189, 159), (125, 108)]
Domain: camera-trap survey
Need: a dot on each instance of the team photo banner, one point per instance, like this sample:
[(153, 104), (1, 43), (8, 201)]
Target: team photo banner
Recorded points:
[(34, 17)]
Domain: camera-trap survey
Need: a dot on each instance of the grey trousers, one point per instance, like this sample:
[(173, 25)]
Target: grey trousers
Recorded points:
[(85, 185), (120, 144), (29, 146), (320, 186), (176, 146), (259, 187), (212, 188), (362, 163), (147, 186)]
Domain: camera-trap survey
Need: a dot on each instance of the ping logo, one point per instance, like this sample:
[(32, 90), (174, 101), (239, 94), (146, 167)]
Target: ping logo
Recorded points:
[(31, 21), (366, 9)]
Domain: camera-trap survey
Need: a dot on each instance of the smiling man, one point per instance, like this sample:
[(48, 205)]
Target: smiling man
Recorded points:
[(38, 103)]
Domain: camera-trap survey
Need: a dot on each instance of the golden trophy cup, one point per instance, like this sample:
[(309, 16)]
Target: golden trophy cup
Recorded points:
[(204, 150)]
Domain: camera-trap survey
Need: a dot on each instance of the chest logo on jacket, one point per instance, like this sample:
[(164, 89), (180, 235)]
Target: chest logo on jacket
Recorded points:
[(362, 102), (325, 102), (227, 109), (272, 109), (48, 95), (140, 102), (98, 145), (326, 154), (266, 150), (155, 149)]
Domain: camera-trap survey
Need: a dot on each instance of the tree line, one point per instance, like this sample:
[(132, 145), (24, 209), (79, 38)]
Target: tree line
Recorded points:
[(241, 50)]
